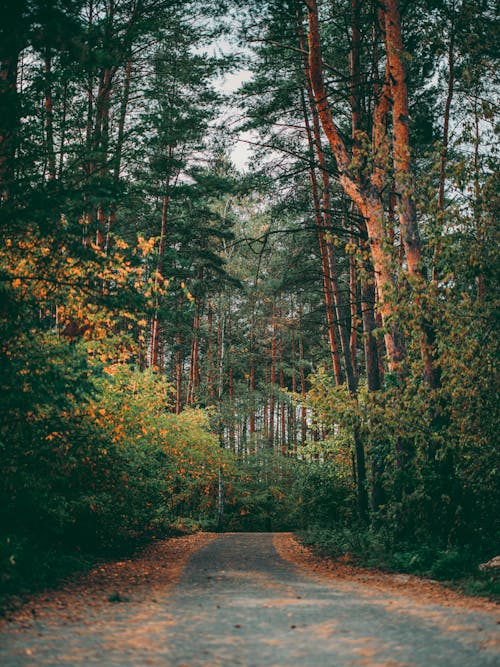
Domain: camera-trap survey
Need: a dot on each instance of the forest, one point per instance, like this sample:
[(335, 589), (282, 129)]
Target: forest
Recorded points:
[(263, 306)]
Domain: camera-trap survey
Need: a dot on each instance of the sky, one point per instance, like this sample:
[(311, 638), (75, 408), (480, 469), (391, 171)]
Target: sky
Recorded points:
[(241, 151)]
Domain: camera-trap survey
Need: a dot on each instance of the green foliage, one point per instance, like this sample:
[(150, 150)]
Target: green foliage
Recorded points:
[(376, 548), (99, 466)]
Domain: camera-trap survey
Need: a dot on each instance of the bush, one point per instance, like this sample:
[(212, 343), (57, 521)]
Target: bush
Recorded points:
[(94, 467)]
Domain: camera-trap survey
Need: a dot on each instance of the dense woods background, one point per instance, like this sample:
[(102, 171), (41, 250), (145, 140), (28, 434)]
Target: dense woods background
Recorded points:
[(309, 343)]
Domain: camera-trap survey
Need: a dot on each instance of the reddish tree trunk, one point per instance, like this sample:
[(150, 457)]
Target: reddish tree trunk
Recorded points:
[(410, 235), (367, 197)]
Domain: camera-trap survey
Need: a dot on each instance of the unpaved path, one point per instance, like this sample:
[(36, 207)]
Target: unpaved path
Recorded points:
[(249, 600)]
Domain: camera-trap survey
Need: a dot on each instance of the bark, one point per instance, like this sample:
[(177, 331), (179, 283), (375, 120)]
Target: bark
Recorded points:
[(374, 377), (292, 427), (353, 297), (252, 397), (303, 412), (159, 268), (210, 379), (367, 198), (283, 405), (326, 265), (121, 122), (9, 120), (325, 224), (410, 235), (355, 70), (49, 115), (325, 270), (481, 283), (193, 360), (62, 144), (272, 401), (178, 373), (221, 353), (444, 149)]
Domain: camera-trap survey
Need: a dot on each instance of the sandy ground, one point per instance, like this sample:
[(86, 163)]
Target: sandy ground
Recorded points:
[(249, 599)]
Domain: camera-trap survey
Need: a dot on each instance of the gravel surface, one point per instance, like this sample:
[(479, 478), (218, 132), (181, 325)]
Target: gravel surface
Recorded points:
[(253, 600)]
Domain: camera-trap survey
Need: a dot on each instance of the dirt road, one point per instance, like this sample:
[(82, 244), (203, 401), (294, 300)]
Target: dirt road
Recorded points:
[(249, 600)]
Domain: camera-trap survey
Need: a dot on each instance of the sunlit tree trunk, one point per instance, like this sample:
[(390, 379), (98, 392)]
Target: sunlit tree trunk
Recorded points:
[(367, 197), (410, 234)]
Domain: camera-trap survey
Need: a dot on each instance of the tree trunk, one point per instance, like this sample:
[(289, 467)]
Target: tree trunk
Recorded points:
[(210, 360), (272, 400), (49, 115), (325, 265), (178, 373), (444, 148), (367, 197), (303, 411), (155, 326), (9, 120), (410, 235)]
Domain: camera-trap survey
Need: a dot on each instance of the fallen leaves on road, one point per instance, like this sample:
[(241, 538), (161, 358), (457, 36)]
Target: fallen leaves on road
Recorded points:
[(422, 590), (144, 576)]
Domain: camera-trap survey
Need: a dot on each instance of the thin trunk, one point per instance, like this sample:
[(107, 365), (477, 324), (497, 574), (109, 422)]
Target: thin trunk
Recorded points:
[(193, 359), (444, 149), (353, 297), (252, 397), (327, 285), (122, 118), (100, 147), (210, 379), (283, 406), (481, 285), (355, 71), (292, 428), (272, 400), (303, 410), (232, 415), (159, 268), (221, 352), (49, 115), (220, 500), (88, 166), (62, 144), (9, 120), (178, 373), (374, 378)]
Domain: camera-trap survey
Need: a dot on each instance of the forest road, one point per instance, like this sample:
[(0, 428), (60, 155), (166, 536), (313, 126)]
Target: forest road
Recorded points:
[(239, 602)]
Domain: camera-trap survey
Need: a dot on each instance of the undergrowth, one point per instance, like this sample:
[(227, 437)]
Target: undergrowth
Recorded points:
[(455, 567)]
